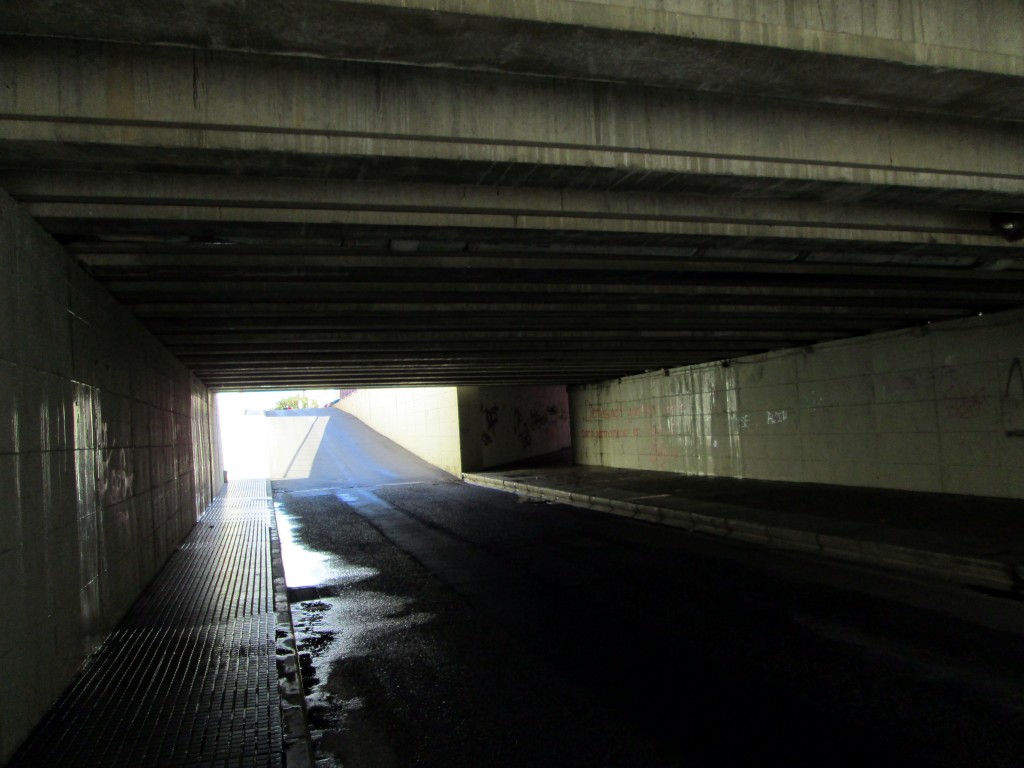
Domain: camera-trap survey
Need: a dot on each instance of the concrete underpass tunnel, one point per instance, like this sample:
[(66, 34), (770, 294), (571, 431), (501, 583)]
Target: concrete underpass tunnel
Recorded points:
[(708, 239)]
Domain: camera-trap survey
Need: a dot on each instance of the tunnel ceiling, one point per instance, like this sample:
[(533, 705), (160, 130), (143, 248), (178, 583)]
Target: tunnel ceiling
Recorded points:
[(361, 214)]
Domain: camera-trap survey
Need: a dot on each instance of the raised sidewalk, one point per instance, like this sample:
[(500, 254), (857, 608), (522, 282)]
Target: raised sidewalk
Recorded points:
[(201, 671), (971, 540)]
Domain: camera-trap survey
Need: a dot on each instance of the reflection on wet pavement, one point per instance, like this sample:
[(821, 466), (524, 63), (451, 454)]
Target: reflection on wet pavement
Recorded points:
[(330, 632), (337, 619), (307, 567)]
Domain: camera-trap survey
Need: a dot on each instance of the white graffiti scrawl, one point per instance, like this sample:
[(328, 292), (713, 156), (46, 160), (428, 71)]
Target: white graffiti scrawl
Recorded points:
[(113, 473)]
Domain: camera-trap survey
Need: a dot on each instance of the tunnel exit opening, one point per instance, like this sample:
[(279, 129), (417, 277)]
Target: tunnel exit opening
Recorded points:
[(243, 432)]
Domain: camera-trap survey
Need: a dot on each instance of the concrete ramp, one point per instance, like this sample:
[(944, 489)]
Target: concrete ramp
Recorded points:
[(295, 442), (315, 446)]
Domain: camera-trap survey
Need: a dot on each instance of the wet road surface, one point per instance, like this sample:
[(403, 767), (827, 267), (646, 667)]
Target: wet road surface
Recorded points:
[(442, 624)]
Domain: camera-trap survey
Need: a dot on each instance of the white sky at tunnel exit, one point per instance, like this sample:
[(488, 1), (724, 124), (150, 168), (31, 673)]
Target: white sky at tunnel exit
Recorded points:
[(243, 437)]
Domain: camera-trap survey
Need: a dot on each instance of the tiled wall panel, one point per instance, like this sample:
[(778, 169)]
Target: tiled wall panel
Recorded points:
[(105, 464), (939, 408)]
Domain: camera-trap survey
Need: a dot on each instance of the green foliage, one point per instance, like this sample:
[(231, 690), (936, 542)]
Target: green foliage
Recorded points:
[(296, 401)]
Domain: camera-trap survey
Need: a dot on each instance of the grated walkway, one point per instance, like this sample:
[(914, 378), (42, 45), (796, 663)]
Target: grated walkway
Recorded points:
[(189, 676)]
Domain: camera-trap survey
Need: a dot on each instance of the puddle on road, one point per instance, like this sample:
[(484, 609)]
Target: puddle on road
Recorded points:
[(337, 619), (331, 632), (305, 567)]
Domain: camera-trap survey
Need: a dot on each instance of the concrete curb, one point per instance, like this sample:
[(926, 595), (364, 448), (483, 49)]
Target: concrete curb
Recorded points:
[(960, 568), (297, 747)]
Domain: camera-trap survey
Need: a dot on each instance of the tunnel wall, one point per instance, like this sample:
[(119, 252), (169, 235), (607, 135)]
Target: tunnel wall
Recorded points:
[(501, 425), (424, 420), (936, 408), (467, 428), (106, 460)]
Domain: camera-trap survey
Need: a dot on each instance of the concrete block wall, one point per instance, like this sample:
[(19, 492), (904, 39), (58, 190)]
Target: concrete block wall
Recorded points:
[(424, 420), (105, 464), (936, 408), (500, 425)]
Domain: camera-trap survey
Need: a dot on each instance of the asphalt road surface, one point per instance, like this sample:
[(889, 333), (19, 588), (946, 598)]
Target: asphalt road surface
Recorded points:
[(442, 624)]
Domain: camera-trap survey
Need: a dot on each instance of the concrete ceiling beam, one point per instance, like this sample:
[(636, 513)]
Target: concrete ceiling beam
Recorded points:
[(223, 336), (597, 325), (133, 97), (217, 201), (687, 290), (923, 55), (546, 313), (569, 355), (969, 229), (312, 163), (330, 380), (575, 343), (137, 259)]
